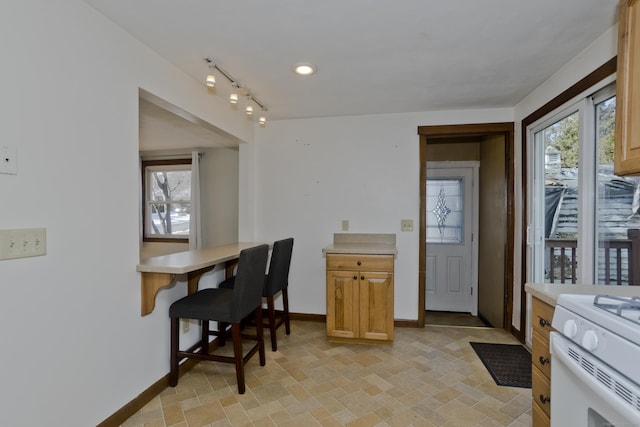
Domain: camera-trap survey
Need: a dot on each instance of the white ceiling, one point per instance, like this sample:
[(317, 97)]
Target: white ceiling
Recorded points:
[(373, 56)]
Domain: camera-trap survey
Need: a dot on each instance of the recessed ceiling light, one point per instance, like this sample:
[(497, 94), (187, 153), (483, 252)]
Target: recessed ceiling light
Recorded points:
[(304, 69)]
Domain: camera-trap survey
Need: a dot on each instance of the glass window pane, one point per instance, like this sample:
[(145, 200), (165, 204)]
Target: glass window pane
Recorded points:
[(617, 208), (561, 155), (169, 219), (445, 211), (171, 185), (168, 201)]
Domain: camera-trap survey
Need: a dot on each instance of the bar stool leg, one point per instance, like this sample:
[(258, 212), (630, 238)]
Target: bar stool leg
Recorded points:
[(237, 354), (271, 313), (260, 336), (285, 303), (173, 373)]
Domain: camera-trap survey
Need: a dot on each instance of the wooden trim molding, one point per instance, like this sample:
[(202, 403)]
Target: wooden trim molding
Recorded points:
[(431, 134)]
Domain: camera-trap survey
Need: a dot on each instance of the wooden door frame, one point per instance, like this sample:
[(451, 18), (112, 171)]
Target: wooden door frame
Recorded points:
[(432, 134)]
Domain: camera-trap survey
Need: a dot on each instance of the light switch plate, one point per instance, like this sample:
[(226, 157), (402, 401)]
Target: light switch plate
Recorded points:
[(406, 224), (23, 243), (8, 160)]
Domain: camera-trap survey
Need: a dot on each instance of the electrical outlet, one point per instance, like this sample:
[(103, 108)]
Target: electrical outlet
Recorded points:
[(185, 325), (345, 225), (23, 243), (406, 224)]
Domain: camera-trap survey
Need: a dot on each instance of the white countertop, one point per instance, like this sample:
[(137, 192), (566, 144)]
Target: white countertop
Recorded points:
[(362, 243), (185, 262), (548, 292)]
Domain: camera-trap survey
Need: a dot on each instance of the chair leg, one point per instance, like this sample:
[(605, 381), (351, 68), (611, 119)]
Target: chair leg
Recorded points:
[(173, 374), (271, 314), (260, 336), (222, 333), (205, 337), (285, 303), (237, 354)]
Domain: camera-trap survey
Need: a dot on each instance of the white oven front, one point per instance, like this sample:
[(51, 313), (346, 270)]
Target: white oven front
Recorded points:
[(587, 392)]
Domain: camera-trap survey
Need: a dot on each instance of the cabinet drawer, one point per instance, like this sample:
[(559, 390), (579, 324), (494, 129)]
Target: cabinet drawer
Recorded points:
[(538, 417), (540, 389), (360, 262), (541, 316), (540, 354)]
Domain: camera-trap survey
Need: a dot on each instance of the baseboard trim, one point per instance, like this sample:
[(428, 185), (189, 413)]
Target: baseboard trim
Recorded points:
[(128, 410)]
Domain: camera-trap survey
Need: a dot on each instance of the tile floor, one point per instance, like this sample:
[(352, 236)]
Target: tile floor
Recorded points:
[(429, 377)]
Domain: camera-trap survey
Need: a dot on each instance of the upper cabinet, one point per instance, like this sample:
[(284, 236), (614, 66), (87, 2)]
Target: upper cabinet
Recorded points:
[(627, 150)]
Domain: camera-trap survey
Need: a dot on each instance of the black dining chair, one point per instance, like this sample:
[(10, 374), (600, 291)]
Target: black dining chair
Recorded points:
[(276, 281), (227, 307)]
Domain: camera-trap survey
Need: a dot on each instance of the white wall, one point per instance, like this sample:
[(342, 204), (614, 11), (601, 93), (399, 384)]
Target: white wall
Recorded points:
[(311, 174), (75, 348)]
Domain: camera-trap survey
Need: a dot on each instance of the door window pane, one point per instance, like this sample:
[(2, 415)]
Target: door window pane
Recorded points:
[(445, 211), (560, 142)]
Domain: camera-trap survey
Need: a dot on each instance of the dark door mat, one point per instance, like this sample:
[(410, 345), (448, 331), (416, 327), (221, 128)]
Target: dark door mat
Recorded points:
[(508, 364)]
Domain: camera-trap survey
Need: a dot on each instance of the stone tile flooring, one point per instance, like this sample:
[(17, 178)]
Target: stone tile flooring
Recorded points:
[(429, 377)]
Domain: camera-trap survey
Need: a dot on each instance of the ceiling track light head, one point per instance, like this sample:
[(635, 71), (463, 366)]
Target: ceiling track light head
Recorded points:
[(236, 88)]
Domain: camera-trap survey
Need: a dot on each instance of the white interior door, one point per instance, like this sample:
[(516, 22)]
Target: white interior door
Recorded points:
[(452, 221)]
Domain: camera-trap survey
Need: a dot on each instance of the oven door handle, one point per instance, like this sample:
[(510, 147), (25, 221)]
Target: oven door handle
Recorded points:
[(561, 359)]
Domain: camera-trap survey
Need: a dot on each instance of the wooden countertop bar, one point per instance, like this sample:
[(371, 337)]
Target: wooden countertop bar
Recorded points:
[(161, 271)]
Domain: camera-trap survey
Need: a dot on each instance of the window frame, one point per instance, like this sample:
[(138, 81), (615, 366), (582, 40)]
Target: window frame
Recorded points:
[(170, 164)]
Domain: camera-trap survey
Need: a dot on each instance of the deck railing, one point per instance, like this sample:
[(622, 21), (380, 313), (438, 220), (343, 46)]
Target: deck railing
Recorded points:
[(618, 260)]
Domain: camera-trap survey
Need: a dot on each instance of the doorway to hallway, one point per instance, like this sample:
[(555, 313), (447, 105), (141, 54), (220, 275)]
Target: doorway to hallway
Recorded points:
[(492, 145)]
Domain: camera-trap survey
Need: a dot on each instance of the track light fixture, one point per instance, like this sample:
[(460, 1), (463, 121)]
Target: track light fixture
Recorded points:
[(233, 98), (237, 88), (211, 79), (249, 108)]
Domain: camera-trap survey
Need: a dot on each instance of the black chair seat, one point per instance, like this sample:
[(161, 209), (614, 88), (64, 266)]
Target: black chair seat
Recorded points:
[(207, 304)]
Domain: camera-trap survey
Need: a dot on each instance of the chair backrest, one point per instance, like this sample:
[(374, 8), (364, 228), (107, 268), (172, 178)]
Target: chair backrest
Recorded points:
[(249, 282), (278, 277)]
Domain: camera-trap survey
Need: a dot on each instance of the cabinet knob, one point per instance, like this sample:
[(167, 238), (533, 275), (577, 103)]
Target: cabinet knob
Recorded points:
[(359, 263), (544, 399), (355, 277), (544, 322), (544, 360), (361, 277)]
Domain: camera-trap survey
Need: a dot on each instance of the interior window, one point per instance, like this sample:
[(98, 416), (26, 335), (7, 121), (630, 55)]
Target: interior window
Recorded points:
[(167, 199)]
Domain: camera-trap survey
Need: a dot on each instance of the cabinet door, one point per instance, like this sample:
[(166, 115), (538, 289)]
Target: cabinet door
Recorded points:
[(376, 306), (342, 304), (627, 150)]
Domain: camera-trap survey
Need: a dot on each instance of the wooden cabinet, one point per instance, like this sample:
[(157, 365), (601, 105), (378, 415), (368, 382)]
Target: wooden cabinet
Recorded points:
[(542, 314), (360, 298), (627, 148)]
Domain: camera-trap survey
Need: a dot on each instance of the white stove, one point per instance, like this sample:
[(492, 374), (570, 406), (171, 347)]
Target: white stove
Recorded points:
[(595, 369)]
